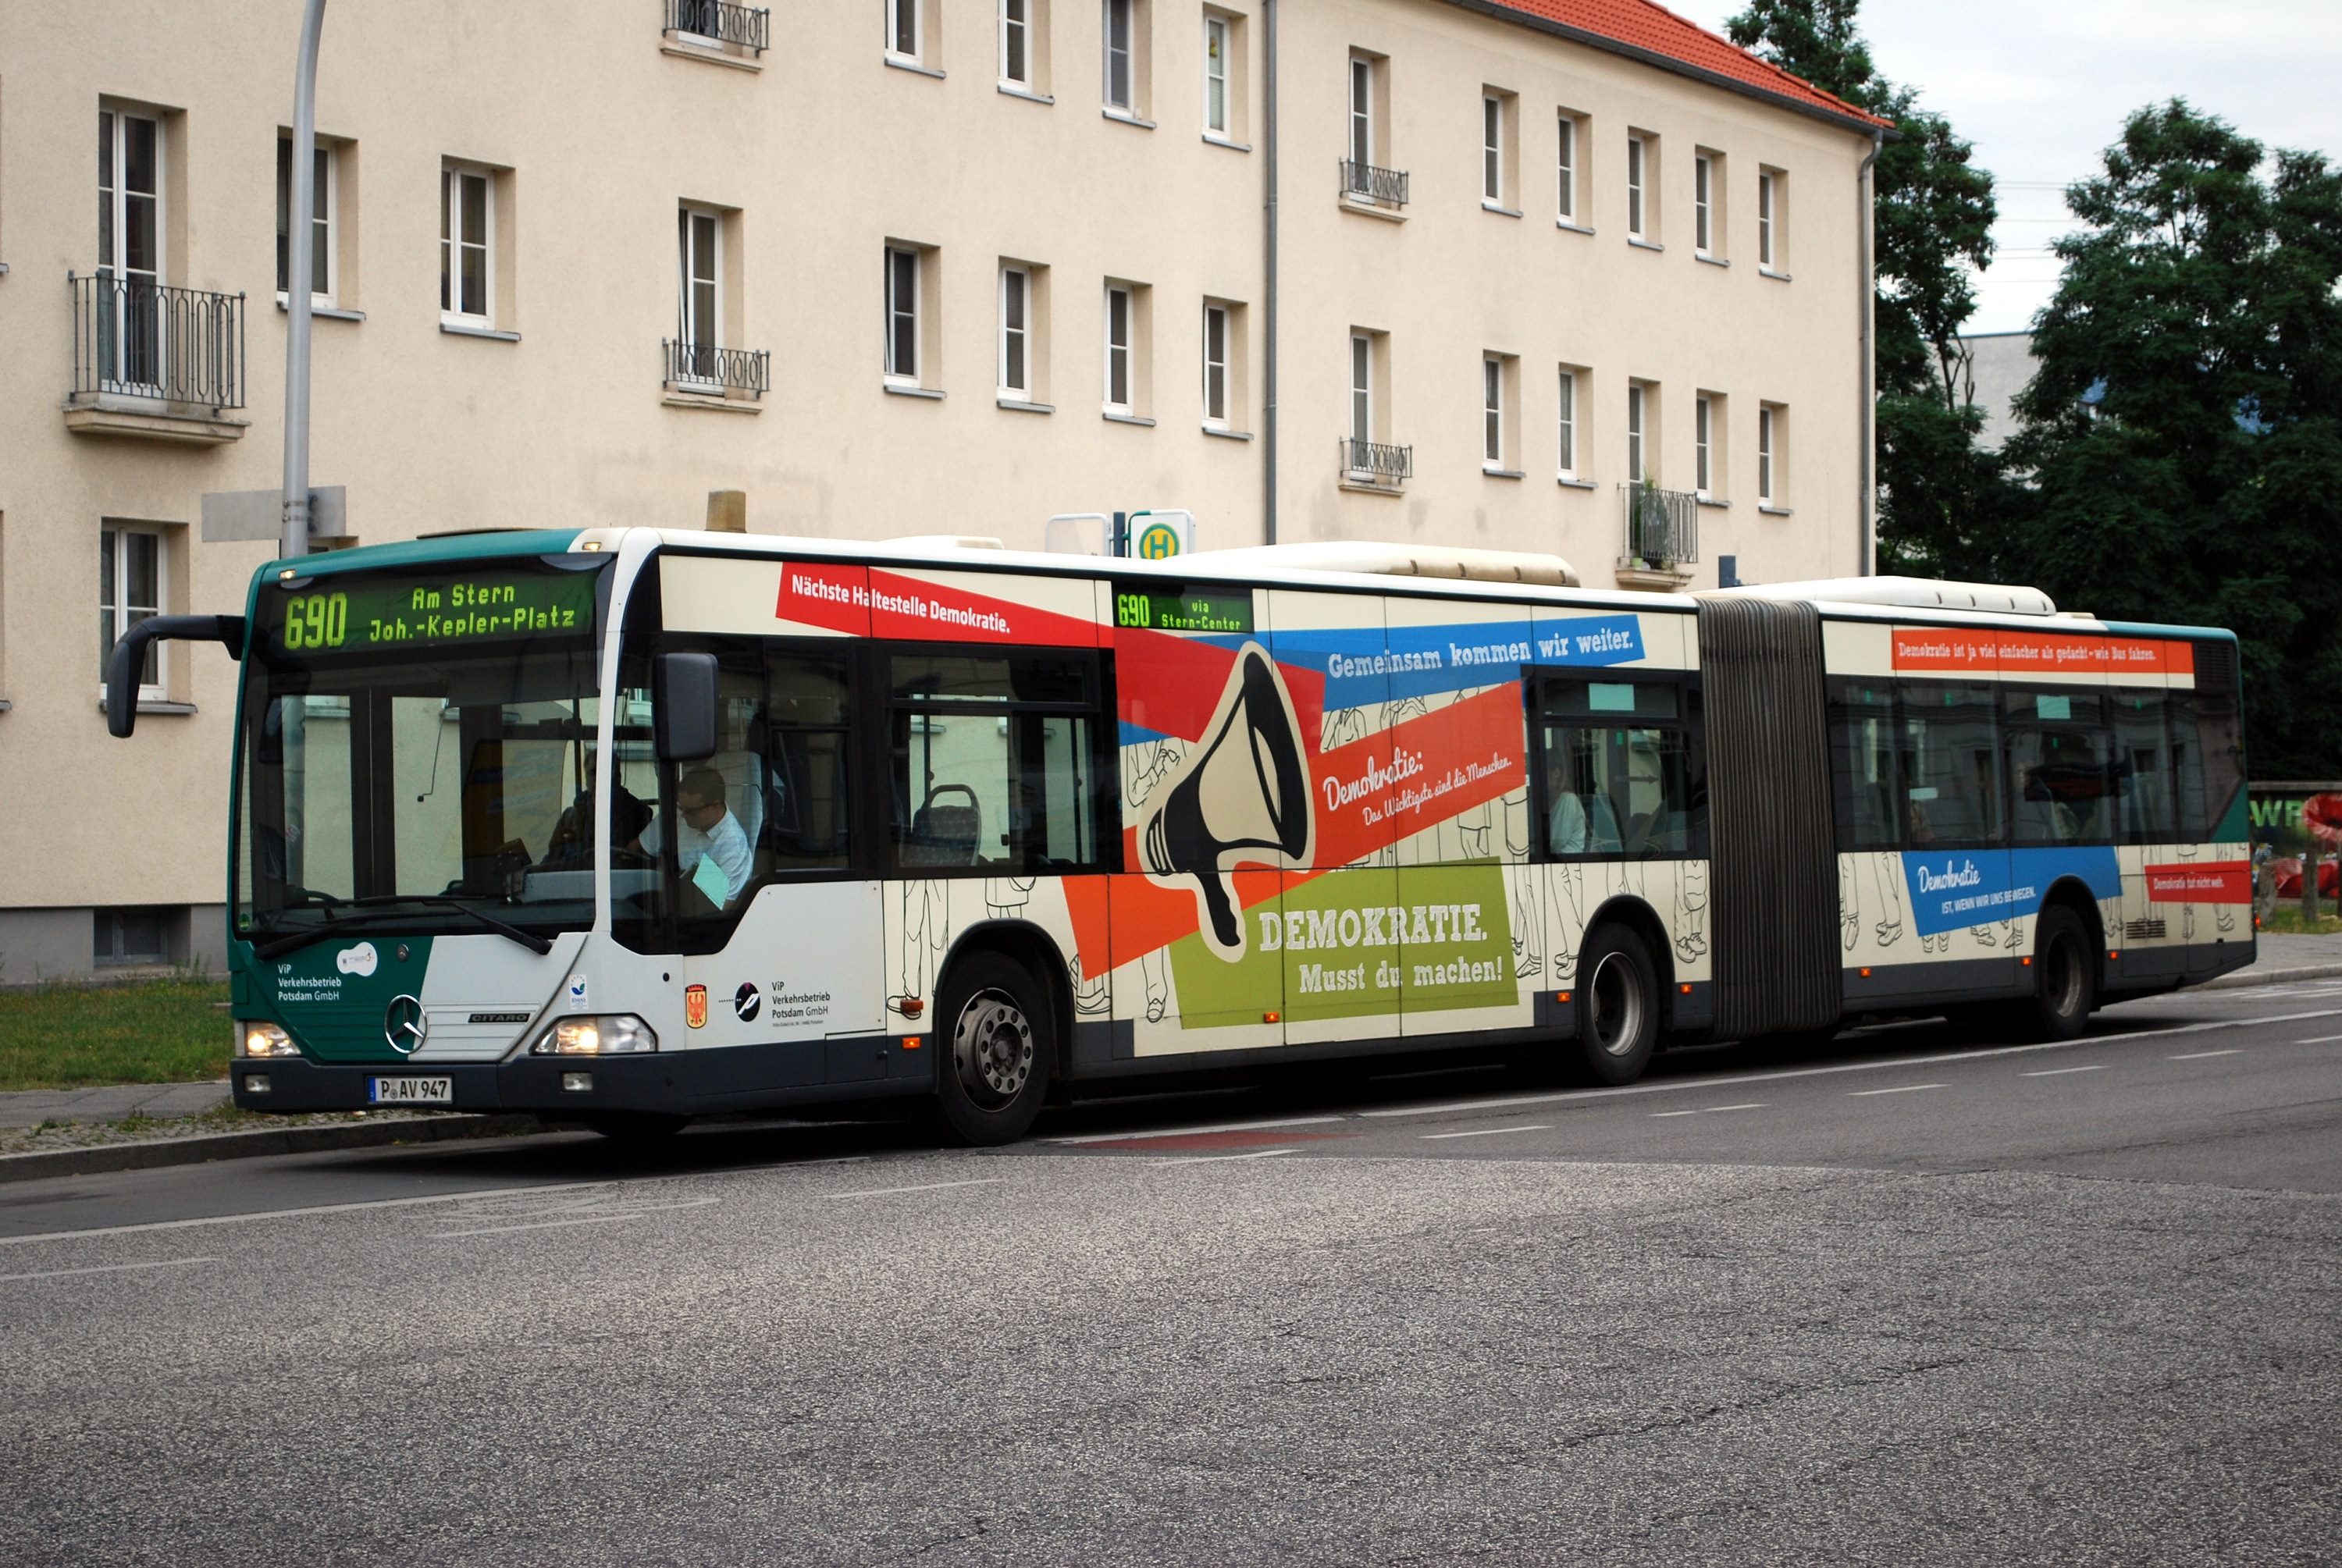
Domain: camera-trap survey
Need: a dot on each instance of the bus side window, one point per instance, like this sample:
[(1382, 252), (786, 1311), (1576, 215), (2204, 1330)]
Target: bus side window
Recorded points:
[(1622, 772), (804, 748), (2058, 777), (2146, 780), (1863, 765), (1950, 764)]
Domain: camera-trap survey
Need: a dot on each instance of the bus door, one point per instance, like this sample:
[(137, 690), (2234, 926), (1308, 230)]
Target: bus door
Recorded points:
[(2066, 777)]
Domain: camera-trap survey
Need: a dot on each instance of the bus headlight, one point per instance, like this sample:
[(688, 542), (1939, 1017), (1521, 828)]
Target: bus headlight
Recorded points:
[(605, 1034), (254, 1038)]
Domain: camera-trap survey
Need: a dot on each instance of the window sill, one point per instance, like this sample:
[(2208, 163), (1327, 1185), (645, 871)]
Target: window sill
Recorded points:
[(1773, 512), (707, 54), (1643, 245), (1362, 487), (1109, 415), (714, 403), (1494, 473), (110, 414), (1498, 208), (897, 62), (1776, 277), (1572, 482), (1712, 501), (461, 329), (1010, 90), (1366, 209), (322, 312), (1225, 433), (157, 705), (1122, 117), (1573, 228), (1019, 405), (1712, 261), (1229, 143), (903, 389)]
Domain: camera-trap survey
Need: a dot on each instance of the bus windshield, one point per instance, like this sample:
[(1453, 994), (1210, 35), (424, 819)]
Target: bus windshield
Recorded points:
[(414, 750)]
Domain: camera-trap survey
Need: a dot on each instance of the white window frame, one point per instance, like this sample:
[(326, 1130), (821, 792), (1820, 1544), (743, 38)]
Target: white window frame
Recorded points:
[(899, 12), (1125, 12), (1565, 434), (1220, 37), (1362, 386), (1120, 356), (1765, 193), (113, 188), (1017, 27), (1216, 370), (1492, 413), (1638, 158), (114, 603), (1636, 407), (903, 323), (326, 205), (1703, 188), (690, 331), (1492, 150), (1016, 334), (1703, 418), (1362, 111), (454, 242), (1768, 457), (1566, 167)]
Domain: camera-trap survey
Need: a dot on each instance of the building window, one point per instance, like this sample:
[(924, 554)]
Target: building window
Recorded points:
[(1566, 168), (1492, 149), (1122, 332), (130, 588), (1016, 332), (1215, 75), (1566, 451), (1216, 365), (1703, 412), (1770, 422), (1638, 159), (324, 214), (1362, 110), (131, 337), (1124, 47), (1704, 188), (699, 236), (905, 33), (1639, 432), (903, 314), (1017, 44), (466, 247), (1769, 183), (1362, 386), (128, 936)]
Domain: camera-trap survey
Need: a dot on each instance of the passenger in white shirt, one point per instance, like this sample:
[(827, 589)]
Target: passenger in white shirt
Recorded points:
[(710, 832)]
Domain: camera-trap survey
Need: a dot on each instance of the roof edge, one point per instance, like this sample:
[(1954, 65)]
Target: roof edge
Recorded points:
[(1857, 120)]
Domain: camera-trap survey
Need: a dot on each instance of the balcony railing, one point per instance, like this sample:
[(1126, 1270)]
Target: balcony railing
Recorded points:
[(1366, 182), (1372, 463), (704, 367), (741, 26), (1662, 527), (134, 338)]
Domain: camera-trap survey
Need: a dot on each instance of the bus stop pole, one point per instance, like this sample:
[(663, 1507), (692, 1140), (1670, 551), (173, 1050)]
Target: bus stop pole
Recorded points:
[(299, 243)]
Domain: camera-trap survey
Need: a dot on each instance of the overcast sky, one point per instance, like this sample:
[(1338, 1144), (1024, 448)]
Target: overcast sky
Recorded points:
[(2042, 86)]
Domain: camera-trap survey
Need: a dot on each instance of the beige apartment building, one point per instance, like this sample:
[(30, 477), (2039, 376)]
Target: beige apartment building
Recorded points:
[(1566, 275)]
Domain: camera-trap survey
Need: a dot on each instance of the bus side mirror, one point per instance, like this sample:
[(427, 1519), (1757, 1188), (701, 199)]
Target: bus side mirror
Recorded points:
[(683, 706), (129, 658)]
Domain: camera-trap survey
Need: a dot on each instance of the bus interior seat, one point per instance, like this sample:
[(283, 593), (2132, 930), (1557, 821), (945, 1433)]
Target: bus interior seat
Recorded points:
[(944, 833)]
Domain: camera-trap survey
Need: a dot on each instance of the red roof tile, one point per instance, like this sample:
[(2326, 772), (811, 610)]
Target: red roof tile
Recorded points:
[(1654, 30)]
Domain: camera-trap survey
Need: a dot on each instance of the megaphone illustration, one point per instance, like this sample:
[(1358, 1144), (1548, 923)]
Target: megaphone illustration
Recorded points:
[(1242, 795)]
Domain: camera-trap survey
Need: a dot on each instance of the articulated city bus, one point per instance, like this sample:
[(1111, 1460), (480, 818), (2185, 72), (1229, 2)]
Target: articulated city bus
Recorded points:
[(627, 826)]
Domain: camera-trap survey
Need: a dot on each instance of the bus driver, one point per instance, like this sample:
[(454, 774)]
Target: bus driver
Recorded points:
[(713, 848)]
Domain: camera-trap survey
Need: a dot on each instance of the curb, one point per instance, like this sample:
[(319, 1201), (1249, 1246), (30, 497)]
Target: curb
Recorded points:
[(105, 1159), (2244, 977)]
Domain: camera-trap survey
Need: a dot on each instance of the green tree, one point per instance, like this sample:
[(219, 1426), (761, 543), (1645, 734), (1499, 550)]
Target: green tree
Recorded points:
[(1940, 494), (2184, 430)]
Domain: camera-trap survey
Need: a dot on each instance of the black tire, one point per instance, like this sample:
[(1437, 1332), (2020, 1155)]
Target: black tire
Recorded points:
[(1617, 1007), (994, 1045), (2065, 973), (639, 1128)]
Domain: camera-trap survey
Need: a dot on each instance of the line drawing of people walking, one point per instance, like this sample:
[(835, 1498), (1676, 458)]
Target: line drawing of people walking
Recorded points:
[(1887, 870), (1691, 909), (1849, 907), (926, 919), (1529, 939)]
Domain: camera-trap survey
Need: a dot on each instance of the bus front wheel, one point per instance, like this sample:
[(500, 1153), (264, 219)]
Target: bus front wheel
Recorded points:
[(1618, 1006), (993, 1048)]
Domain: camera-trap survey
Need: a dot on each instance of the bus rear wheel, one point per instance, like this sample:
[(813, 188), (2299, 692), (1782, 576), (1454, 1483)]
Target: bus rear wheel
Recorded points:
[(994, 1049), (2065, 979), (1618, 1006)]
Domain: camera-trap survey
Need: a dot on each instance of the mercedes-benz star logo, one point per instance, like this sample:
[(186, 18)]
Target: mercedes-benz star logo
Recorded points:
[(403, 1024)]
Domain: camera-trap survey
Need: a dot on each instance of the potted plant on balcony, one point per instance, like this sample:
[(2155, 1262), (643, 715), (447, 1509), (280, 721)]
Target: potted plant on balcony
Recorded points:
[(1652, 536)]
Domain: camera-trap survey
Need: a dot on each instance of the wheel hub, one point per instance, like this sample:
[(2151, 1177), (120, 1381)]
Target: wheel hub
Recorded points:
[(1618, 1005), (991, 1049)]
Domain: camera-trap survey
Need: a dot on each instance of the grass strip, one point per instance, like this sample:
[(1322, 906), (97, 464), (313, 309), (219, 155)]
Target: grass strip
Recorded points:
[(63, 1036)]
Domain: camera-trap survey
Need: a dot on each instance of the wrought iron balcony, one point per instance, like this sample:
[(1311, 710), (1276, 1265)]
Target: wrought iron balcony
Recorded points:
[(1373, 463), (718, 372), (741, 26), (1366, 182), (133, 338), (1662, 527)]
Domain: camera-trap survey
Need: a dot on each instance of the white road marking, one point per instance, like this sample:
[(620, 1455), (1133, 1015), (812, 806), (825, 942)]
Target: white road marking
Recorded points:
[(108, 1269), (922, 1188), (297, 1213), (2199, 1055), (2060, 1072), (1222, 1158), (1751, 1105), (1568, 1098), (1196, 1132), (1898, 1089), (538, 1225), (1658, 1114), (2319, 1040), (1492, 1132)]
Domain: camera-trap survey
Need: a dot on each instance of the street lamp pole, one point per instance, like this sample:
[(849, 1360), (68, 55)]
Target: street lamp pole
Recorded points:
[(300, 244)]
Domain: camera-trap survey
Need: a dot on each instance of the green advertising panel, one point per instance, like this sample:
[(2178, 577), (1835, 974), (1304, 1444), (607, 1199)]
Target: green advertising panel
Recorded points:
[(335, 995)]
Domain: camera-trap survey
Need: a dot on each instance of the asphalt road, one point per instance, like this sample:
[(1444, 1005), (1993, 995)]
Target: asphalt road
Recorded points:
[(1904, 1299)]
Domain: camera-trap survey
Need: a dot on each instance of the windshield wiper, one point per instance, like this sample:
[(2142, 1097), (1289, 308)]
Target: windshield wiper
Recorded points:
[(369, 911)]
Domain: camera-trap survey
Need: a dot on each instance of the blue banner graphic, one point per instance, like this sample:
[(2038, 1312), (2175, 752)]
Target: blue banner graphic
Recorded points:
[(1957, 887), (1372, 665)]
